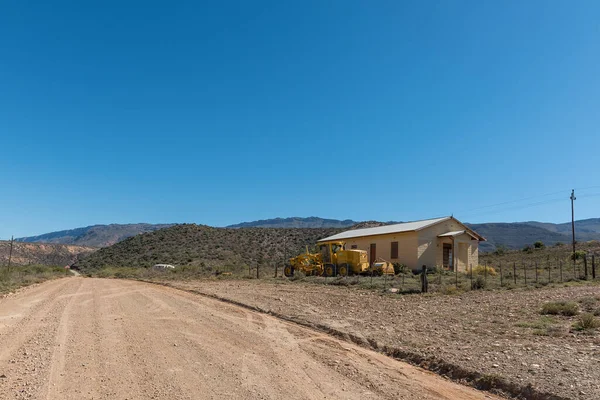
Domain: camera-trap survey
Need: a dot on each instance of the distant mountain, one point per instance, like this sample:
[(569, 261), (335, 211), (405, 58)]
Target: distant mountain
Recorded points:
[(514, 235), (95, 235), (41, 253), (585, 229), (296, 222)]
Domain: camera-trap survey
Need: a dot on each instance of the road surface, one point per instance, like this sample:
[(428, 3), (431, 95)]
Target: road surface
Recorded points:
[(82, 338)]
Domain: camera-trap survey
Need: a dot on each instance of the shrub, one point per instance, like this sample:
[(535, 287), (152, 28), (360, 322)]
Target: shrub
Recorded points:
[(567, 308), (298, 276), (399, 268), (586, 322), (500, 250), (527, 249), (578, 255), (481, 269), (539, 245), (479, 283)]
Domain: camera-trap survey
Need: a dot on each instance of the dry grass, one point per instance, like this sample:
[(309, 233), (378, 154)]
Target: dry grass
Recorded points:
[(16, 277), (566, 308)]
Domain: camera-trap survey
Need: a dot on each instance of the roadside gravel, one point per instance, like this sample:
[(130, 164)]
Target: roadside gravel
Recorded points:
[(497, 333)]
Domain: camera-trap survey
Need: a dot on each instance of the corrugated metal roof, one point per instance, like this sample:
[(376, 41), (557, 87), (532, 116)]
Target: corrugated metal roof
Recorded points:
[(455, 233), (383, 230)]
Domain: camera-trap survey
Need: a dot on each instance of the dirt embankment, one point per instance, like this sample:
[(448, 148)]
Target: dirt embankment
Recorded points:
[(498, 334), (82, 338)]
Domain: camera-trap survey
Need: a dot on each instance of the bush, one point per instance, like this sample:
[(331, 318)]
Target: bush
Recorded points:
[(500, 250), (479, 283), (567, 308), (399, 268), (481, 269), (539, 245), (578, 255), (527, 249), (586, 322)]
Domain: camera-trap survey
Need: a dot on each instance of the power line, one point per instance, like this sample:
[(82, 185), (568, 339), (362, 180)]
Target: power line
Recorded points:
[(519, 207), (469, 212)]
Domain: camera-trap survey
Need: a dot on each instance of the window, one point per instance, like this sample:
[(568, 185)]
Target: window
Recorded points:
[(394, 250), (354, 246)]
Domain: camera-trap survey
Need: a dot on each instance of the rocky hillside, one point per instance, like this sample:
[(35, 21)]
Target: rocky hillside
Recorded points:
[(190, 244), (95, 235), (41, 253)]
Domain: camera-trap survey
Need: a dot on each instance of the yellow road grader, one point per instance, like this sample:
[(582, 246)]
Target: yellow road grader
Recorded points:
[(334, 260)]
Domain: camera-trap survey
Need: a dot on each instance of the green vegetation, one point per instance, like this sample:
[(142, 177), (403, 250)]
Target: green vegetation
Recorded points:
[(214, 248), (566, 308), (16, 277), (586, 322)]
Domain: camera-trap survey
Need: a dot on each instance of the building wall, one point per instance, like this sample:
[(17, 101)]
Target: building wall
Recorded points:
[(407, 247), (416, 249), (430, 248)]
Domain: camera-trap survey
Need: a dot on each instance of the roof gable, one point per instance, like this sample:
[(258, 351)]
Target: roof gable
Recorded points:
[(386, 229), (413, 226)]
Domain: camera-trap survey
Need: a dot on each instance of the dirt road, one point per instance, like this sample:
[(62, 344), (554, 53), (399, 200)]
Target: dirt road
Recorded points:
[(82, 338)]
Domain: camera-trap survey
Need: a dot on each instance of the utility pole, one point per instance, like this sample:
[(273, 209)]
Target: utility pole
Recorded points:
[(573, 198), (12, 239)]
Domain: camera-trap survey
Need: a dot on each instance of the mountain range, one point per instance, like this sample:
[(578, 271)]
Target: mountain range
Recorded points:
[(95, 235), (512, 235)]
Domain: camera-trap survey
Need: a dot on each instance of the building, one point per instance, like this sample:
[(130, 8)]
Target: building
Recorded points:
[(443, 242)]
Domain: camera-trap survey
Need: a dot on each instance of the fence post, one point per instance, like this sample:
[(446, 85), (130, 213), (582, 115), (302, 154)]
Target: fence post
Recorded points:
[(455, 276), (536, 272), (593, 267), (585, 270), (501, 283), (560, 266), (471, 276), (515, 272), (485, 267), (276, 264), (549, 269), (257, 275), (424, 283)]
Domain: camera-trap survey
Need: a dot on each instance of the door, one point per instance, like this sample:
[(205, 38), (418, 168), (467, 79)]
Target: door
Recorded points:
[(447, 258), (372, 253)]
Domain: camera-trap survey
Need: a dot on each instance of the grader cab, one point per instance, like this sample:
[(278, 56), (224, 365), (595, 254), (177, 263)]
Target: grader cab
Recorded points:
[(333, 259)]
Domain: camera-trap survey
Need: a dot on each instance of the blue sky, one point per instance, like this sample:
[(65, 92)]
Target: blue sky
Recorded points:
[(215, 113)]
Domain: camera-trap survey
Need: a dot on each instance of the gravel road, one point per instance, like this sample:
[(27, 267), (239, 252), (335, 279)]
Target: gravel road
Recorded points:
[(83, 338)]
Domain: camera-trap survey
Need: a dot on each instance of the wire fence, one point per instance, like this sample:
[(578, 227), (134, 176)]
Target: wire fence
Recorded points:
[(529, 272)]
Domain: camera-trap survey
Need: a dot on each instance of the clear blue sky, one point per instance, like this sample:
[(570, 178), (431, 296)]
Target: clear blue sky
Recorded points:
[(215, 113)]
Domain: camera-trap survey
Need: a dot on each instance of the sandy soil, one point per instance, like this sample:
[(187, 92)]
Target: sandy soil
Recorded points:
[(83, 338), (493, 333)]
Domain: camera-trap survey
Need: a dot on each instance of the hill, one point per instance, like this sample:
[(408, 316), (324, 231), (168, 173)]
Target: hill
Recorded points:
[(95, 235), (296, 222), (586, 229), (41, 253), (513, 235), (194, 245), (516, 235)]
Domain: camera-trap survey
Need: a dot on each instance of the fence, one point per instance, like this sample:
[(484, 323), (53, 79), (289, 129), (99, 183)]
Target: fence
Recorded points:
[(528, 272)]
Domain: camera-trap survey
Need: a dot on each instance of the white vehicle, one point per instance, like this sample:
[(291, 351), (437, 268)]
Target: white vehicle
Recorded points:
[(163, 266)]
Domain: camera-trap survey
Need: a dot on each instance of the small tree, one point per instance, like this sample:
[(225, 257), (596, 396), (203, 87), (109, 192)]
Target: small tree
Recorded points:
[(539, 244), (500, 250)]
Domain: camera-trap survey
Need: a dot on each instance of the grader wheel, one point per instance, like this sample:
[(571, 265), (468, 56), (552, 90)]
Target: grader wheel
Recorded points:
[(330, 270), (343, 270), (288, 271)]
